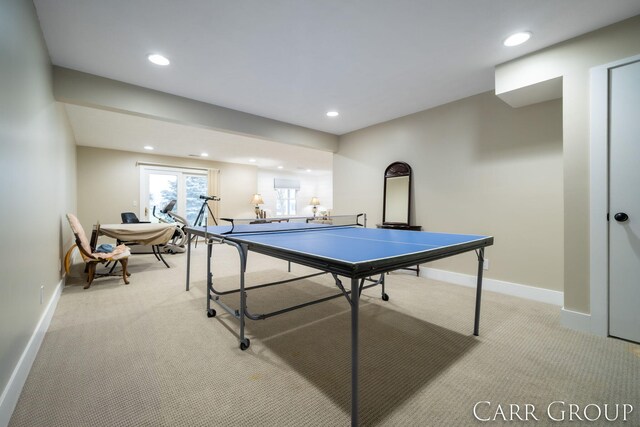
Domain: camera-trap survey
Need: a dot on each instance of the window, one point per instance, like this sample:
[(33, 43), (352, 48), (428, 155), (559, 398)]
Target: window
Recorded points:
[(195, 186), (286, 190), (286, 201)]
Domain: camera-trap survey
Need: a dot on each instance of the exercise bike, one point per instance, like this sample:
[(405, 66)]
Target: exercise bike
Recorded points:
[(179, 240)]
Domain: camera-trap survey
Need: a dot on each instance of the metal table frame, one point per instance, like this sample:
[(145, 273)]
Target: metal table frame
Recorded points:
[(358, 274)]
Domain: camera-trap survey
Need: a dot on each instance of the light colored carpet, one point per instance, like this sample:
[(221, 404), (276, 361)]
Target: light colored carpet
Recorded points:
[(147, 355)]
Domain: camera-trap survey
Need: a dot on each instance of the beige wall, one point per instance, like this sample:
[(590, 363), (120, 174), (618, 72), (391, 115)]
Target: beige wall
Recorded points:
[(479, 166), (572, 60), (109, 182), (37, 167)]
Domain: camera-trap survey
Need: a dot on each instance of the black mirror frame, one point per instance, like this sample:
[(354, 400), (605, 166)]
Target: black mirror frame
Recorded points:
[(396, 169)]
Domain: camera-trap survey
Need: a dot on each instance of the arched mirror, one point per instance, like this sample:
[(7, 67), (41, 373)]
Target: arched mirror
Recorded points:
[(397, 194)]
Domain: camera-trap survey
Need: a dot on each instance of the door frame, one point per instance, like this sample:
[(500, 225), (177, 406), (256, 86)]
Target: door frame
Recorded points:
[(599, 194)]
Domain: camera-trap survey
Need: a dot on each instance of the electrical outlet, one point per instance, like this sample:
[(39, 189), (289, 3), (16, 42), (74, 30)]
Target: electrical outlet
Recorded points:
[(485, 264), (135, 203), (41, 294)]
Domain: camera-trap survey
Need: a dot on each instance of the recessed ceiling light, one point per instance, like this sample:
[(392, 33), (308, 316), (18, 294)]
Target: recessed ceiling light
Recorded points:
[(148, 147), (308, 170), (204, 154), (280, 167), (333, 114), (252, 160), (517, 38), (158, 59)]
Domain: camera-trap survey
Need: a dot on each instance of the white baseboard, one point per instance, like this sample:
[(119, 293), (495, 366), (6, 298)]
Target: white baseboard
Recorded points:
[(514, 289), (11, 392), (577, 321)]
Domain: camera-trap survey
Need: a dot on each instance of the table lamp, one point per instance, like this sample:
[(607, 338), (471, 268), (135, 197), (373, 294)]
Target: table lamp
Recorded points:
[(314, 202), (257, 200)]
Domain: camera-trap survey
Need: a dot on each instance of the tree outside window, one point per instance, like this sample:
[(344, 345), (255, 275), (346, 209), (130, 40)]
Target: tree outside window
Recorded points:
[(286, 201)]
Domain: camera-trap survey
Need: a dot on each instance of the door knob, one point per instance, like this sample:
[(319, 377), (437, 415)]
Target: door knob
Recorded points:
[(621, 217)]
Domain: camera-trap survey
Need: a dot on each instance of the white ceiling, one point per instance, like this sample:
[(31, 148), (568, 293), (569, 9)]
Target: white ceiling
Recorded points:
[(293, 60), (106, 129)]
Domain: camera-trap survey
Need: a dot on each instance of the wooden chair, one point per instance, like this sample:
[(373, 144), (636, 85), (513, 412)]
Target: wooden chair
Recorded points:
[(120, 254)]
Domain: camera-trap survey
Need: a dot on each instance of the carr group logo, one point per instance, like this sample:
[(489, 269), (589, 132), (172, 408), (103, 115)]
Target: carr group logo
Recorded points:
[(558, 410)]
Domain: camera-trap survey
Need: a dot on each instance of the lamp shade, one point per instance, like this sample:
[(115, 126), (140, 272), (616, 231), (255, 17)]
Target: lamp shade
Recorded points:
[(314, 201), (257, 200)]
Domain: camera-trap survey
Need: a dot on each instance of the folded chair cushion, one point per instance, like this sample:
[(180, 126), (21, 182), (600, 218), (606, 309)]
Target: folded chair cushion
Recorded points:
[(120, 251)]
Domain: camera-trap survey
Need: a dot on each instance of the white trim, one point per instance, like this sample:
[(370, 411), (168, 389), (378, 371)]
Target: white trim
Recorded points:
[(11, 393), (599, 195), (142, 192), (598, 201), (163, 166), (514, 289), (575, 320)]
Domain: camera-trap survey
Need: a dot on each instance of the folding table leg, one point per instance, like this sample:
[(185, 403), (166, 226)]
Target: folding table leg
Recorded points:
[(476, 325), (243, 250), (159, 255), (355, 303), (188, 259), (385, 297), (210, 311)]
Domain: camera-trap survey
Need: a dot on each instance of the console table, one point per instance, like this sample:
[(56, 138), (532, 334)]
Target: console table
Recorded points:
[(404, 227)]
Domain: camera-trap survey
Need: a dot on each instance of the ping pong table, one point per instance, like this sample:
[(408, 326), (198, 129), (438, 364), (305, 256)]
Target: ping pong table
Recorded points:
[(349, 251)]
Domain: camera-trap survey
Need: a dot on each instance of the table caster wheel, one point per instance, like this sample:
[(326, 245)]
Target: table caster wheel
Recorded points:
[(245, 344), (385, 297), (211, 313)]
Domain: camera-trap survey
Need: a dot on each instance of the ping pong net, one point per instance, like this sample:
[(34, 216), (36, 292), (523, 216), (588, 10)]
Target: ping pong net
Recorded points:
[(287, 224)]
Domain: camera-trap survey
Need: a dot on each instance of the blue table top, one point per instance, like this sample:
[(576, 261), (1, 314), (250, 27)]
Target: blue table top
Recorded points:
[(344, 244)]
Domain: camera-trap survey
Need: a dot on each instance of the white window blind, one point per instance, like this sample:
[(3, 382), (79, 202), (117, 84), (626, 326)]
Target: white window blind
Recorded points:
[(286, 183)]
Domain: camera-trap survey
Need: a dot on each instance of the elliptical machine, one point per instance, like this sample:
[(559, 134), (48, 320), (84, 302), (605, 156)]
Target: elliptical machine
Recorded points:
[(179, 240)]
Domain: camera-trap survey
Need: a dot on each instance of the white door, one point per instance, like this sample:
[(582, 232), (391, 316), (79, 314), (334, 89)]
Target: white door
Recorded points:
[(624, 202), (158, 188), (161, 185)]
